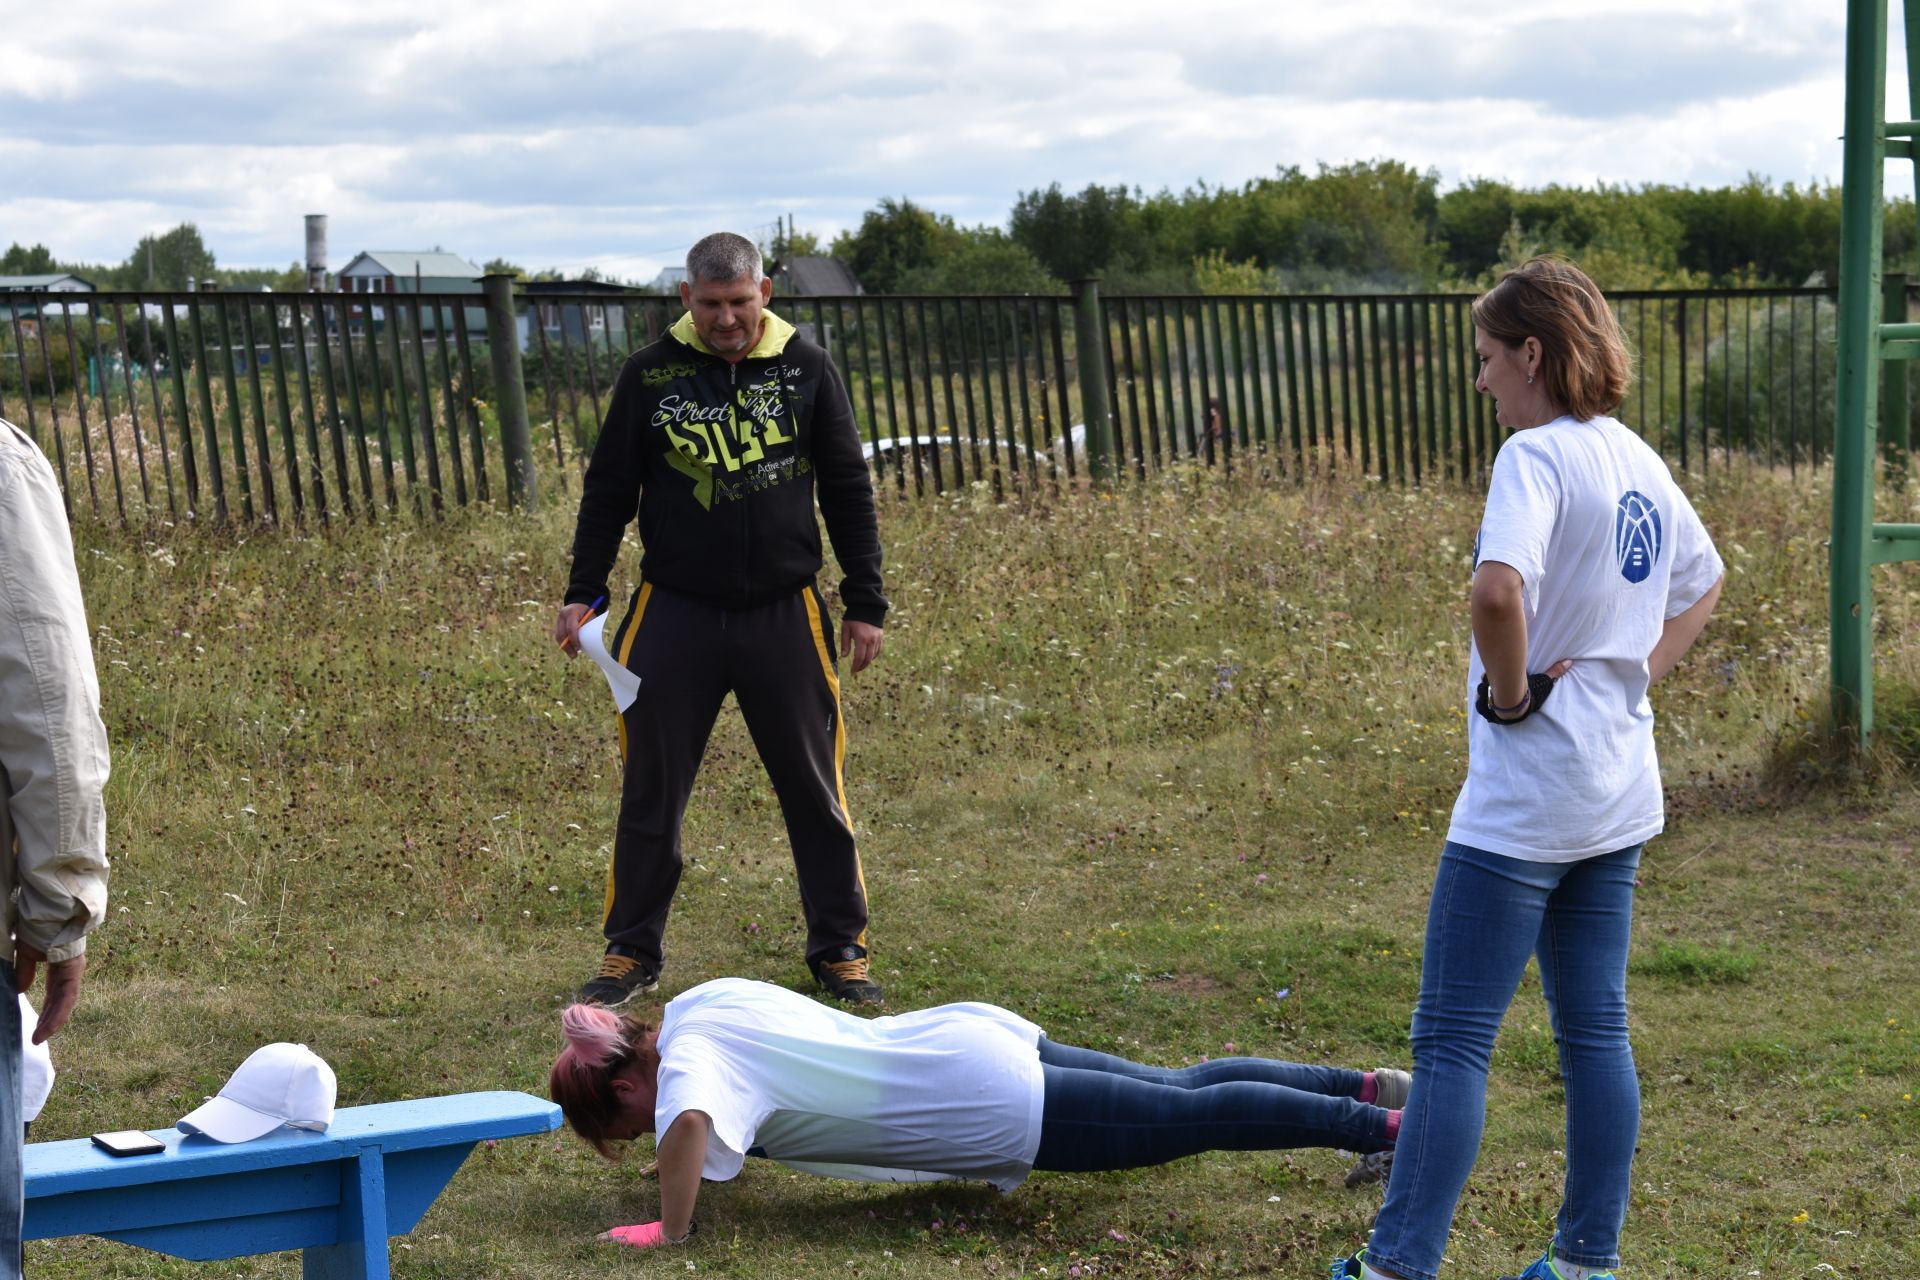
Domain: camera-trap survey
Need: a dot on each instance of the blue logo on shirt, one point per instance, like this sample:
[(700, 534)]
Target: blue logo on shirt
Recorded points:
[(1636, 536)]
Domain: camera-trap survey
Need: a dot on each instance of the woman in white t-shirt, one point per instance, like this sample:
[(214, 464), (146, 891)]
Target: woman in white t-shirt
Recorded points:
[(742, 1068), (1592, 577)]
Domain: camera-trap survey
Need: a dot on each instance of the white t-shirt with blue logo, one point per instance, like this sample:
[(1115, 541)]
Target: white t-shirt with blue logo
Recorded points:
[(1609, 549), (950, 1092)]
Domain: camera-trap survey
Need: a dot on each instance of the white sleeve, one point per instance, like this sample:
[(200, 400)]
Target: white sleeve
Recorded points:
[(1523, 499), (695, 1076), (1696, 563)]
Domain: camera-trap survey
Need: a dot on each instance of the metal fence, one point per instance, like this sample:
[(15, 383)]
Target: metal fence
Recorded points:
[(254, 407), (1385, 382), (277, 407)]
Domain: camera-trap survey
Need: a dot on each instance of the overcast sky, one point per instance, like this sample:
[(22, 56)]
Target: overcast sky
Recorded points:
[(614, 135)]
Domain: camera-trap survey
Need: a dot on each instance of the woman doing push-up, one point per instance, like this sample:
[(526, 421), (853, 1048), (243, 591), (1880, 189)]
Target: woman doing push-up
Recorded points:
[(742, 1068)]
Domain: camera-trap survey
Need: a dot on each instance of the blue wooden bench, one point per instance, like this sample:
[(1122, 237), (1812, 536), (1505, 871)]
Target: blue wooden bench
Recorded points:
[(338, 1195)]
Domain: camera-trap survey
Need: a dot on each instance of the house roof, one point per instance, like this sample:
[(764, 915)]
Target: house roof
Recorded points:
[(815, 276), (574, 286), (16, 283), (404, 262)]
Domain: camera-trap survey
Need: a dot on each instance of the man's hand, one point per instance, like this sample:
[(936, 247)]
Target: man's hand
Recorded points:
[(63, 986), (863, 640), (566, 627)]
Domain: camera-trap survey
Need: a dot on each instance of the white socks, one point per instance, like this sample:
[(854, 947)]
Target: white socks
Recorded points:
[(1573, 1271)]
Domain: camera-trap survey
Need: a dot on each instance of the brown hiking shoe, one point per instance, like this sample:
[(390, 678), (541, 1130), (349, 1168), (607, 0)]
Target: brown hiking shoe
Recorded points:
[(844, 976), (621, 978)]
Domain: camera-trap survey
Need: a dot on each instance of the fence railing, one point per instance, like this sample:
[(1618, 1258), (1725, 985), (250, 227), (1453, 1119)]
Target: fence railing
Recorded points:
[(276, 407)]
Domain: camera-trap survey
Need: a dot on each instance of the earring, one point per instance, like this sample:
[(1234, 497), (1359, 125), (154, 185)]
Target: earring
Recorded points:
[(1529, 379)]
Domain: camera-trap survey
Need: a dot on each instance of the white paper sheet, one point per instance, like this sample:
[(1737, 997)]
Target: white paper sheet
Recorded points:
[(624, 684)]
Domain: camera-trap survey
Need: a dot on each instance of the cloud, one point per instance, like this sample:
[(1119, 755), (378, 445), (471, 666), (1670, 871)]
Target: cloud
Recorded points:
[(1571, 66), (620, 134)]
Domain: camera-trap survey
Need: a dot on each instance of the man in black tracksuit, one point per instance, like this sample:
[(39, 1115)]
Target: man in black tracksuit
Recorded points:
[(720, 435)]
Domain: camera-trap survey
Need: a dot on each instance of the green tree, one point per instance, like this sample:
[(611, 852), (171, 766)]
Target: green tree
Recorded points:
[(798, 244), (1080, 236), (1214, 273), (1473, 219), (501, 267), (1369, 223), (167, 261), (19, 260), (893, 241), (982, 260)]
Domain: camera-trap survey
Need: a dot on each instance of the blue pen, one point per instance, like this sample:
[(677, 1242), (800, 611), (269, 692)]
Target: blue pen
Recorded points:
[(592, 609)]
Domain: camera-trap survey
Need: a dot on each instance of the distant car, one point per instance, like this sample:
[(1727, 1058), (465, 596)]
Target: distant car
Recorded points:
[(1003, 451)]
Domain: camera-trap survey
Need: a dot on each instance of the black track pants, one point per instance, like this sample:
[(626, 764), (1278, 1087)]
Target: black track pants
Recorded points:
[(778, 659)]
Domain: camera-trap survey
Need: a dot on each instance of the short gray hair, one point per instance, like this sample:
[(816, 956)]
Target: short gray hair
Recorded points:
[(723, 256)]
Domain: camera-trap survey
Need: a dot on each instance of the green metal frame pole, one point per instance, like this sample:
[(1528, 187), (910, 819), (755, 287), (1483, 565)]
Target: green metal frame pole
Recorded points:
[(1857, 389), (1896, 400), (509, 392), (1090, 346)]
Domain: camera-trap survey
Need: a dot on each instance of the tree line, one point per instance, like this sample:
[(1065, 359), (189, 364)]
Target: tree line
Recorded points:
[(1363, 227), (1369, 226), (164, 261)]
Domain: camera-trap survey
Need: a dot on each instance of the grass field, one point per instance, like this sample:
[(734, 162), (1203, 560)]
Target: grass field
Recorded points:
[(1167, 772)]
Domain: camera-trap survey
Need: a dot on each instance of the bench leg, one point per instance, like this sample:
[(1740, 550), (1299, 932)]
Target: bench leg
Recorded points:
[(362, 1251)]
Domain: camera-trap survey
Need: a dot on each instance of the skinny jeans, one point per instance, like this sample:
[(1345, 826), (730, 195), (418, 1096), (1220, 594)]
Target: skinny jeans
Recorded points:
[(1488, 915), (1102, 1112)]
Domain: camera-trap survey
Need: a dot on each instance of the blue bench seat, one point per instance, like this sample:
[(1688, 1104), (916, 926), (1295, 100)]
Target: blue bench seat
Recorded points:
[(338, 1195)]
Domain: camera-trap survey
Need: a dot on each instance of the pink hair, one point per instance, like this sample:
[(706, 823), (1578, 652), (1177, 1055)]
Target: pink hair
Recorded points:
[(593, 1036), (600, 1044)]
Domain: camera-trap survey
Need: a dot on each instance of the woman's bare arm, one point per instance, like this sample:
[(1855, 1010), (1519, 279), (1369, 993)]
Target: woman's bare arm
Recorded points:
[(683, 1153), (1680, 632), (1500, 630)]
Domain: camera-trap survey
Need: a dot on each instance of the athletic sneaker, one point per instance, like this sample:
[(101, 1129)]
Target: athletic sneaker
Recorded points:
[(1542, 1268), (1370, 1168), (1390, 1088), (843, 974), (1347, 1268), (621, 978)]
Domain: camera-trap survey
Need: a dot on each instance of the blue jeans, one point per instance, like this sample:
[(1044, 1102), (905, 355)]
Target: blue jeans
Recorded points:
[(1101, 1112), (12, 1192), (1489, 913)]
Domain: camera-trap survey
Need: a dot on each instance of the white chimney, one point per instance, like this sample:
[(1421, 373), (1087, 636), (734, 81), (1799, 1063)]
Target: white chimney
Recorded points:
[(316, 252)]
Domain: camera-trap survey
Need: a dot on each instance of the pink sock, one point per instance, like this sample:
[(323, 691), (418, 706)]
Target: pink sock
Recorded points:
[(1369, 1087), (1393, 1126)]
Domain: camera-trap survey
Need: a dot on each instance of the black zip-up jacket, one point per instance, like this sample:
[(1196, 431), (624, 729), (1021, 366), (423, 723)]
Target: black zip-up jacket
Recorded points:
[(722, 462)]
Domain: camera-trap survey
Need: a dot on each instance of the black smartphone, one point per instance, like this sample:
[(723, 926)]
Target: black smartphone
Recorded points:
[(128, 1142)]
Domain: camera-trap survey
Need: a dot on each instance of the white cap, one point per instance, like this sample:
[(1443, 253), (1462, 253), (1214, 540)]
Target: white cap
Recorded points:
[(277, 1084)]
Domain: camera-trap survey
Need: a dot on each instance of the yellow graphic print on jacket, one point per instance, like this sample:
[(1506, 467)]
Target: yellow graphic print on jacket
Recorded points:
[(733, 435)]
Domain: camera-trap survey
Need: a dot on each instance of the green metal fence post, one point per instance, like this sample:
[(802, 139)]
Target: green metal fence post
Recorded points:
[(509, 392), (1855, 393), (1090, 346), (1896, 402)]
